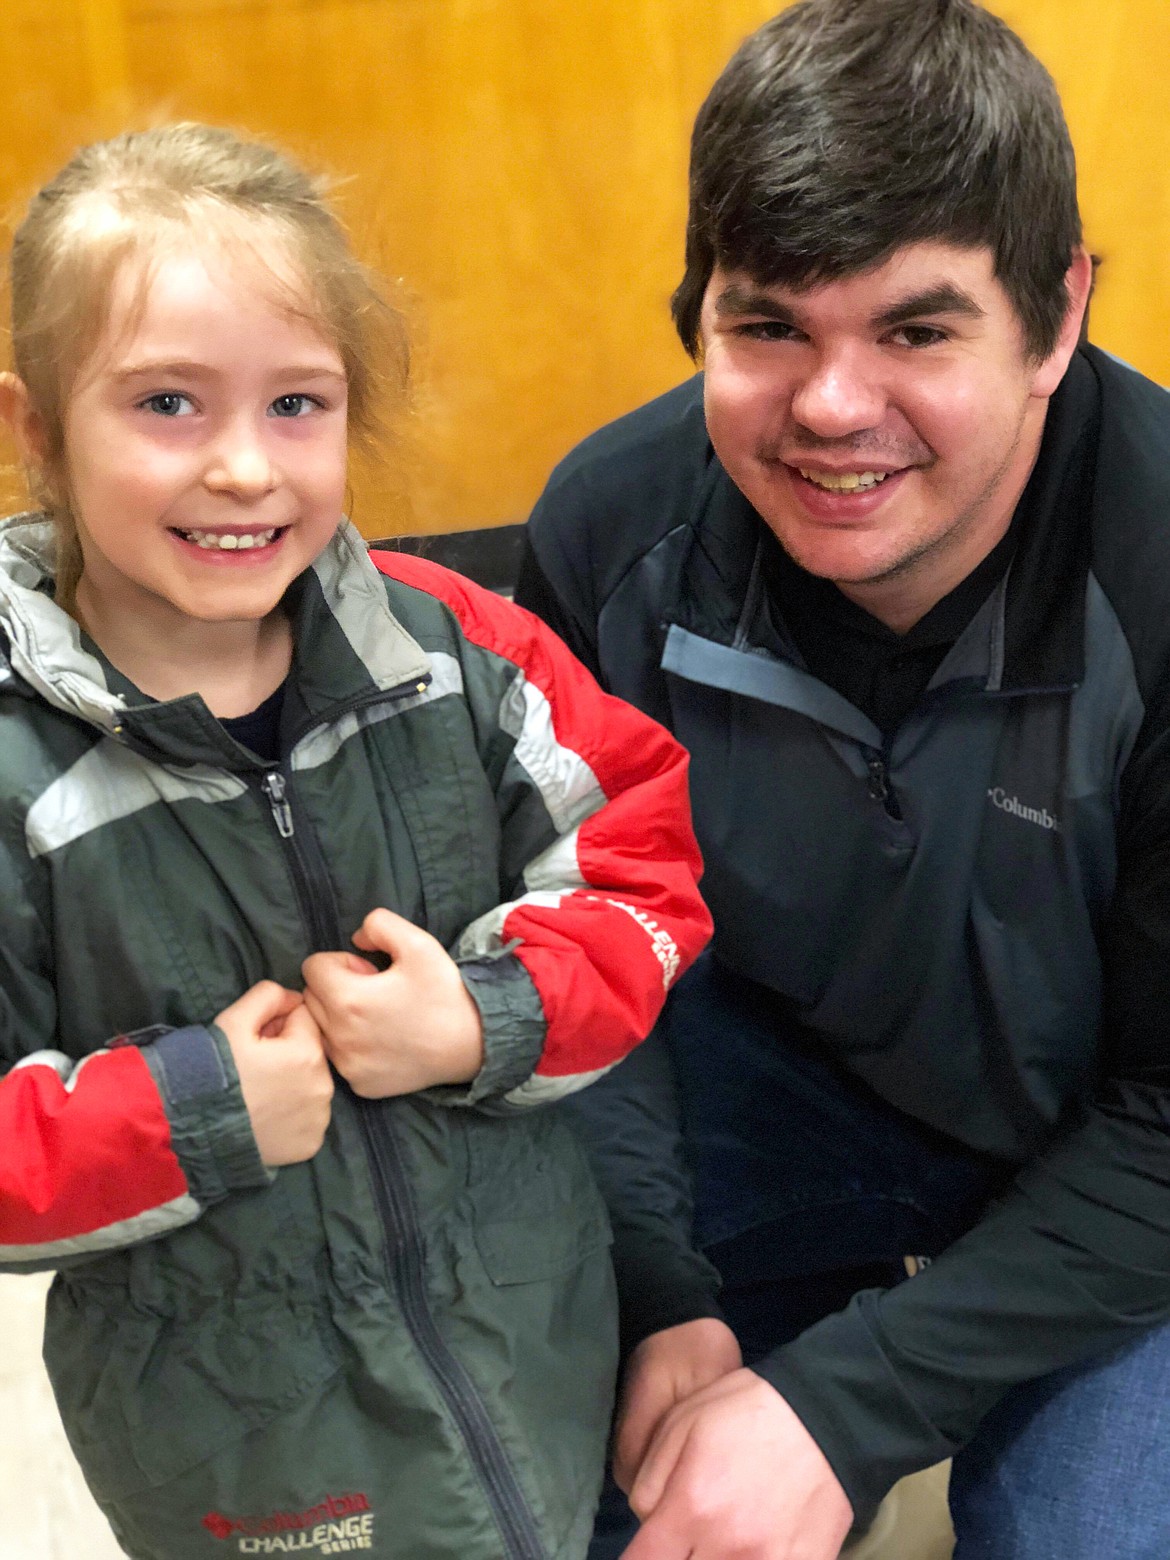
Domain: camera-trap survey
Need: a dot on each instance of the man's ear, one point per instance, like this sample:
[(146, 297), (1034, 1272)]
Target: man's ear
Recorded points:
[(1078, 285)]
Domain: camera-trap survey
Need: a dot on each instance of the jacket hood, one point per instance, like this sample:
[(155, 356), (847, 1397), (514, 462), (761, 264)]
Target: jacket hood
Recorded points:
[(44, 645), (347, 639)]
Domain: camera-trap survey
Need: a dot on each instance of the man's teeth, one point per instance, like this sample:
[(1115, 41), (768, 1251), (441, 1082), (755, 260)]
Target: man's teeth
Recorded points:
[(228, 541), (845, 481)]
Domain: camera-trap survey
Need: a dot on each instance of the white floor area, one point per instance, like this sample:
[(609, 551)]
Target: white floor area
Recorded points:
[(46, 1512)]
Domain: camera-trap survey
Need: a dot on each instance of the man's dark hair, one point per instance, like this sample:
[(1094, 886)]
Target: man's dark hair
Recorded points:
[(845, 129)]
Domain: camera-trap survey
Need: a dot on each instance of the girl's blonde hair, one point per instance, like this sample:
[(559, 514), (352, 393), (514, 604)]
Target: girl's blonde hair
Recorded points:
[(124, 199)]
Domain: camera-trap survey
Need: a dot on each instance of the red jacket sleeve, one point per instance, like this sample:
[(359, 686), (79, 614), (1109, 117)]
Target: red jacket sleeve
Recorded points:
[(128, 1144), (87, 1162), (609, 913)]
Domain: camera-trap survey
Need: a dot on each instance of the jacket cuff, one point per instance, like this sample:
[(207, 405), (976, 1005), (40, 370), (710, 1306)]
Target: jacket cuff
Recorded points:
[(211, 1131), (514, 1029), (660, 1284), (838, 1380)]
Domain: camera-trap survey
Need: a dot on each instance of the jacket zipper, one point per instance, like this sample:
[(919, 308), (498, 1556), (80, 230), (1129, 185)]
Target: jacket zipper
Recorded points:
[(405, 1261), (880, 787), (393, 1194)]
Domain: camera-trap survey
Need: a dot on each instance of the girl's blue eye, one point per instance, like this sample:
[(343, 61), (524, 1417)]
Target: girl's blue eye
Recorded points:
[(167, 403), (291, 406)]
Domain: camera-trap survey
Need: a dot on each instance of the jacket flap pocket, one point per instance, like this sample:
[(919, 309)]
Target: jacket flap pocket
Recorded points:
[(143, 1398), (536, 1208), (522, 1251)]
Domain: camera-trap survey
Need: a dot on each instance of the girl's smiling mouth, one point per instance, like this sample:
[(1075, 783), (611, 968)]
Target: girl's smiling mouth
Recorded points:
[(230, 541)]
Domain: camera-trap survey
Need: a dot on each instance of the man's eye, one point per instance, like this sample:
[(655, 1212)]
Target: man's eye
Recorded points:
[(292, 406), (767, 330), (168, 403), (919, 335)]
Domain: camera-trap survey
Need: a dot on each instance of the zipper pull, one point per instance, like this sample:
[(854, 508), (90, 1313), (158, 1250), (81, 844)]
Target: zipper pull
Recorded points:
[(879, 784), (276, 789), (879, 779)]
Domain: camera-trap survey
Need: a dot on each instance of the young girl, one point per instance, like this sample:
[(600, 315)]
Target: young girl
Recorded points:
[(228, 748)]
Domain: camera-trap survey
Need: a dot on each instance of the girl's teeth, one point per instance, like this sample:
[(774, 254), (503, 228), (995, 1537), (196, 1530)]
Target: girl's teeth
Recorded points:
[(226, 541), (846, 482)]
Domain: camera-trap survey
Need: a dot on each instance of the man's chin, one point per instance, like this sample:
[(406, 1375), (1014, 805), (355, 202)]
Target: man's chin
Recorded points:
[(843, 557)]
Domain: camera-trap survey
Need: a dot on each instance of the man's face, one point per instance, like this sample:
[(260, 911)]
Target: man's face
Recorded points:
[(884, 425)]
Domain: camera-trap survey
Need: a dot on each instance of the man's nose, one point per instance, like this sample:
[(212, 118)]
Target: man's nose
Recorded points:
[(240, 463), (839, 395)]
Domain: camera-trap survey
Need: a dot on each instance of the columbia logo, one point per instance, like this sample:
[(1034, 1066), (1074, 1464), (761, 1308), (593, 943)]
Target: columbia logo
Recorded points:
[(338, 1525), (1012, 804)]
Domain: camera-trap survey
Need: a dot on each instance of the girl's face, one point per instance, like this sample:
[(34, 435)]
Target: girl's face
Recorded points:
[(205, 445)]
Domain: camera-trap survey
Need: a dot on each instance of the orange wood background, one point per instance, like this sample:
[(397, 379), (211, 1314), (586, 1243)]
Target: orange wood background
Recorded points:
[(518, 167)]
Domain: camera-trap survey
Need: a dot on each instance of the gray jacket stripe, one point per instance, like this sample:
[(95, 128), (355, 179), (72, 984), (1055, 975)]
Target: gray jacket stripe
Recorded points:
[(324, 744), (143, 1226), (109, 783), (356, 593), (485, 935), (567, 786), (556, 868), (538, 1090)]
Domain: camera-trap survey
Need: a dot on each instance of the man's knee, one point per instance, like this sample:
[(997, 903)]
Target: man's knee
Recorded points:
[(1073, 1467)]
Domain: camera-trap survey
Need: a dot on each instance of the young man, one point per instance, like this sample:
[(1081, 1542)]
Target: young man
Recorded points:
[(896, 568)]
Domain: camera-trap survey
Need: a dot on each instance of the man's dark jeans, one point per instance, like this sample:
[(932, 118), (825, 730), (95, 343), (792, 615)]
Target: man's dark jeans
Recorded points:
[(808, 1188)]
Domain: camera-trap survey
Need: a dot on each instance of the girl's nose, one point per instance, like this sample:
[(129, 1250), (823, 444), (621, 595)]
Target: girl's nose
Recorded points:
[(240, 464), (839, 396)]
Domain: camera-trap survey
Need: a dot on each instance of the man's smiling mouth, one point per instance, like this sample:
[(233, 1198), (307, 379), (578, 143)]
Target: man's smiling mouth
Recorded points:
[(844, 481)]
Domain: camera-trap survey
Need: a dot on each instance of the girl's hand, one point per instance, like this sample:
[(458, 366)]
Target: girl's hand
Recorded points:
[(413, 1026), (284, 1074)]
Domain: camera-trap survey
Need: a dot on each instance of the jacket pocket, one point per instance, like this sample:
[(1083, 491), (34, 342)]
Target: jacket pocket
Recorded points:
[(144, 1397), (536, 1208)]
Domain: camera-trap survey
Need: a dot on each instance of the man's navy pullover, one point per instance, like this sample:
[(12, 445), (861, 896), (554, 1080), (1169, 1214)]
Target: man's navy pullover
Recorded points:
[(970, 911)]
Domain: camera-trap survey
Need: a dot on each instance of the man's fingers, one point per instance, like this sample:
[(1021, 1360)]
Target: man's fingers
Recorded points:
[(665, 1369), (661, 1538), (659, 1462), (636, 1427)]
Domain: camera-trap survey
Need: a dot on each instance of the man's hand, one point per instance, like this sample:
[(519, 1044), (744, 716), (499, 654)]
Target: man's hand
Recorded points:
[(732, 1474), (393, 1031), (284, 1076), (663, 1370)]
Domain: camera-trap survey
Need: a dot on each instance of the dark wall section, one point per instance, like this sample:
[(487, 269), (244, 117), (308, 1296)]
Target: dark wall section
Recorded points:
[(490, 557)]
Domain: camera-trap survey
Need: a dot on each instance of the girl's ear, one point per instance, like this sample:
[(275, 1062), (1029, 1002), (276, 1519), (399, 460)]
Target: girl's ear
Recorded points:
[(24, 422)]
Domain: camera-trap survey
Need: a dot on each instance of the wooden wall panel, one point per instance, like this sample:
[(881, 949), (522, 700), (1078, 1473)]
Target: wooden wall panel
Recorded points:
[(1107, 57), (519, 167)]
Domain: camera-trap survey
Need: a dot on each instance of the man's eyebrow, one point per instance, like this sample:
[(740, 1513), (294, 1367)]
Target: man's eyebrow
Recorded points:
[(737, 300), (943, 299)]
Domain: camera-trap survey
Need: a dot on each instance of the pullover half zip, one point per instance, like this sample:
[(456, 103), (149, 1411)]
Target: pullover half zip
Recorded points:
[(880, 785)]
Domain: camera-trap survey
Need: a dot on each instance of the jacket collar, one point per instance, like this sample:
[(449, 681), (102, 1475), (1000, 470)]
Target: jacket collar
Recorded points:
[(347, 645), (1030, 633)]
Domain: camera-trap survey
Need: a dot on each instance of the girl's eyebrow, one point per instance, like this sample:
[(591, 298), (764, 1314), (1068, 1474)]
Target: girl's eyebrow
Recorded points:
[(188, 369)]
